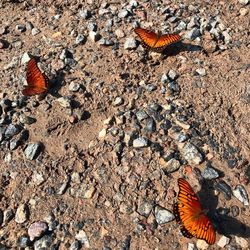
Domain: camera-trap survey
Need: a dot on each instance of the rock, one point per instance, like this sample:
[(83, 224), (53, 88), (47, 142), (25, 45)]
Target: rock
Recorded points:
[(123, 13), (227, 37), (150, 125), (191, 154), (37, 229), (235, 211), (33, 150), (86, 191), (140, 142), (102, 134), (20, 28), (23, 242), (172, 75), (8, 215), (202, 244), (43, 243), (141, 115), (24, 119), (64, 102), (94, 36), (193, 34), (80, 39), (74, 86), (209, 173), (242, 242), (130, 43), (82, 237), (92, 26), (170, 166), (118, 101), (243, 11), (223, 187), (35, 31), (105, 42), (181, 26), (201, 72), (244, 2), (22, 214), (12, 130), (163, 215), (85, 14), (76, 245), (241, 194), (145, 208), (191, 246), (223, 241)]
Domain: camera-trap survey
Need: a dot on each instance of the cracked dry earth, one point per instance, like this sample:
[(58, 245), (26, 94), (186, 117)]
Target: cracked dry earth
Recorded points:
[(95, 163)]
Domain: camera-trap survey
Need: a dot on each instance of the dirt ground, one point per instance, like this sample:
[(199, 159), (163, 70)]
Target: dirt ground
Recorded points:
[(93, 180)]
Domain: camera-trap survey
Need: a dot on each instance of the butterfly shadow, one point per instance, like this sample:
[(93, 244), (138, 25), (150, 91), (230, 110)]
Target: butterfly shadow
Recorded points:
[(56, 83), (223, 223), (176, 48)]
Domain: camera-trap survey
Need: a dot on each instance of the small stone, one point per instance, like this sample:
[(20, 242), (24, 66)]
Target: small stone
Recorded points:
[(210, 173), (23, 242), (37, 229), (227, 37), (172, 75), (130, 43), (102, 134), (191, 154), (94, 36), (8, 215), (163, 215), (243, 11), (22, 214), (118, 101), (33, 150), (241, 194), (37, 178), (24, 119), (223, 241), (35, 31), (223, 187), (145, 208), (202, 244), (119, 33), (76, 245), (64, 102), (25, 58), (235, 211), (193, 34), (80, 39), (86, 191), (74, 86), (170, 166), (181, 26), (106, 42), (12, 130), (20, 28), (244, 2), (43, 243), (123, 14), (242, 242), (141, 115), (92, 26), (140, 142), (85, 14), (191, 246), (201, 72), (83, 238)]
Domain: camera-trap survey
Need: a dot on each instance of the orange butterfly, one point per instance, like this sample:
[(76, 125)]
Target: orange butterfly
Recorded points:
[(37, 81), (188, 213), (156, 42)]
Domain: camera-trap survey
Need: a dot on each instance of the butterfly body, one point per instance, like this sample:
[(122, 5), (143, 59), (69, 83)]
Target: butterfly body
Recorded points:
[(189, 214), (156, 42), (37, 81)]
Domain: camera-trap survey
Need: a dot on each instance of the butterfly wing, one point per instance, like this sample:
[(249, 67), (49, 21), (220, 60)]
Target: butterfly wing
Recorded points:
[(188, 213), (37, 82), (148, 38), (166, 40)]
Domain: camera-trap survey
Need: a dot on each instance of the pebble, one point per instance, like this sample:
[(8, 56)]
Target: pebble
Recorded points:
[(64, 102), (80, 39), (223, 241), (193, 34), (118, 101), (191, 154), (43, 243), (181, 26), (242, 242), (145, 208), (8, 215), (94, 36), (227, 37), (173, 75), (37, 229), (241, 194), (223, 187), (74, 86), (33, 150), (92, 26), (83, 238), (141, 115), (119, 33), (25, 58), (20, 28), (24, 119), (191, 246), (76, 245), (201, 72), (150, 125), (130, 43), (22, 214), (170, 166), (85, 14), (202, 244), (235, 211), (243, 11), (140, 142), (23, 242), (12, 130), (244, 2), (35, 31), (163, 215), (209, 173), (105, 42), (123, 14)]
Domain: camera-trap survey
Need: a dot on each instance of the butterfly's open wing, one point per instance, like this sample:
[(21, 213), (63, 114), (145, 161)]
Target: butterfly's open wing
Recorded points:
[(37, 82), (190, 216), (148, 38), (166, 40)]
